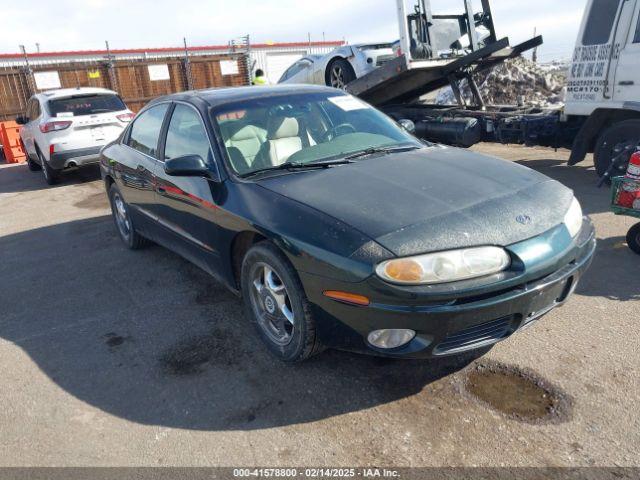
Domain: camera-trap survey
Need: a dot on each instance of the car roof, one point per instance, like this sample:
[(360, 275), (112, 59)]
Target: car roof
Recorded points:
[(219, 96), (68, 92)]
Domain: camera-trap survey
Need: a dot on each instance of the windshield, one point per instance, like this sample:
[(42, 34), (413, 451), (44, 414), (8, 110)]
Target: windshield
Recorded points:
[(86, 105), (300, 129)]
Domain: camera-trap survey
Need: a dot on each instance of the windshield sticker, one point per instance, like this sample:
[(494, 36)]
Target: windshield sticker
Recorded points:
[(348, 103)]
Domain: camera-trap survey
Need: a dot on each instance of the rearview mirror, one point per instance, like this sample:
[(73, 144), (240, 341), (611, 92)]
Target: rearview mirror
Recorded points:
[(408, 125), (186, 166), (22, 120)]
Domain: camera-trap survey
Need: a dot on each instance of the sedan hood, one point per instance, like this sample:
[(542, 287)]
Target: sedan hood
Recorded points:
[(432, 199)]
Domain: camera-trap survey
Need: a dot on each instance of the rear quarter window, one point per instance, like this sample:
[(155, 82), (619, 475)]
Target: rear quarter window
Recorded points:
[(602, 17), (86, 105)]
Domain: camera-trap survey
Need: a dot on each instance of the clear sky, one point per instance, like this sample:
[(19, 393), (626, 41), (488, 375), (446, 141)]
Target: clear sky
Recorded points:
[(86, 24)]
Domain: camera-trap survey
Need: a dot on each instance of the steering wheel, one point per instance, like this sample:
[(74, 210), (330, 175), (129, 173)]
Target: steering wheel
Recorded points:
[(338, 131)]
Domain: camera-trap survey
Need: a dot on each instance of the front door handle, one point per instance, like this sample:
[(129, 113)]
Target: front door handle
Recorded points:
[(626, 83)]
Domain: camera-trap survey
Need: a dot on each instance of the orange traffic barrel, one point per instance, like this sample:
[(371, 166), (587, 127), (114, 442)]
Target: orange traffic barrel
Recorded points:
[(11, 143)]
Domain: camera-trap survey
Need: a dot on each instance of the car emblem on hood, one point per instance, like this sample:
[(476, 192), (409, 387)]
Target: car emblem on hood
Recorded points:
[(524, 219)]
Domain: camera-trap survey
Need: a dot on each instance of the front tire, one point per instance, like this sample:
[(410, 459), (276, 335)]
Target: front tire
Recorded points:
[(612, 141), (33, 166), (633, 238), (276, 303), (122, 218)]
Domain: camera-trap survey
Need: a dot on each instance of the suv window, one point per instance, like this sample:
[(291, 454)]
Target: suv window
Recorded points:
[(186, 135), (87, 105), (145, 131), (600, 22), (636, 37)]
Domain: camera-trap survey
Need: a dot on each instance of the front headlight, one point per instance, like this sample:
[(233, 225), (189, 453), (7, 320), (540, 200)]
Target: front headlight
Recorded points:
[(573, 218), (444, 267)]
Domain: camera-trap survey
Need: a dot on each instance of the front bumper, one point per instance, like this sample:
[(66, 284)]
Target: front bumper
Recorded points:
[(76, 157), (447, 326)]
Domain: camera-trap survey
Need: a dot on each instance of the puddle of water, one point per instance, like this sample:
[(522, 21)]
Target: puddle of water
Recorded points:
[(519, 394)]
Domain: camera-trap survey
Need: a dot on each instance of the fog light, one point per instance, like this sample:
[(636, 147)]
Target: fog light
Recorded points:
[(387, 339)]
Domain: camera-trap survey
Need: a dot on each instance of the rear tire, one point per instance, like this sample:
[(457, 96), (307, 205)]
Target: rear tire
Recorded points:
[(615, 137), (633, 238), (51, 176), (122, 218), (275, 301), (339, 74)]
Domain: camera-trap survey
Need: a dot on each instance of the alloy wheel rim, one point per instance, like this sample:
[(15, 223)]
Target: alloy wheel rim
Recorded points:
[(272, 304), (337, 77), (122, 218)]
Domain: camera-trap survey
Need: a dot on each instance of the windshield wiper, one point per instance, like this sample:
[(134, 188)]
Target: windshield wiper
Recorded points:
[(298, 166), (385, 150)]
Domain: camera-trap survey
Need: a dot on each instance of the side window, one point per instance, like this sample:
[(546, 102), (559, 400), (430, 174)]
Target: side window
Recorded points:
[(600, 22), (32, 111), (145, 130), (186, 135), (636, 37)]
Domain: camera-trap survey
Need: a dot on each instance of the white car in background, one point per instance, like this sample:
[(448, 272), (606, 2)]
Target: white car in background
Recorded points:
[(67, 128), (340, 66)]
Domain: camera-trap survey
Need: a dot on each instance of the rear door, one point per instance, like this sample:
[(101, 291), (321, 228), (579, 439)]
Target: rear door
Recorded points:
[(187, 210), (627, 79), (137, 159)]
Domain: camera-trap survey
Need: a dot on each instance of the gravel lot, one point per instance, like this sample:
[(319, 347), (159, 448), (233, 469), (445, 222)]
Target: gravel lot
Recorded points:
[(118, 358)]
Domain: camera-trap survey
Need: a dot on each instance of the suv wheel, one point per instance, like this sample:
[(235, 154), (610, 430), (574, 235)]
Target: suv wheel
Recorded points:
[(50, 175), (277, 304), (122, 219), (33, 166)]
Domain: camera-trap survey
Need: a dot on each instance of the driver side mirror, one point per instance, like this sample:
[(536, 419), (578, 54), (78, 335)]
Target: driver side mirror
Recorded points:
[(22, 120), (187, 166), (408, 125)]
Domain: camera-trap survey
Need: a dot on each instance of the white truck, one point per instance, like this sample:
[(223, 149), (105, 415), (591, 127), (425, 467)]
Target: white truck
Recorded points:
[(602, 110)]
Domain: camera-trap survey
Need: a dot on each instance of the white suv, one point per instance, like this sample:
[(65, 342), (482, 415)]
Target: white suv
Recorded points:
[(67, 128)]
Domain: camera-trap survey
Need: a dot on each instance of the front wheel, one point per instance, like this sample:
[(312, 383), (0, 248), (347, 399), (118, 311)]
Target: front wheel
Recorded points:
[(620, 138), (276, 303), (633, 238)]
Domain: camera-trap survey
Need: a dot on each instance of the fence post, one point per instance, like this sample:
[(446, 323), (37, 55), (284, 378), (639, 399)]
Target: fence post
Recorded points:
[(31, 81), (187, 66), (113, 78)]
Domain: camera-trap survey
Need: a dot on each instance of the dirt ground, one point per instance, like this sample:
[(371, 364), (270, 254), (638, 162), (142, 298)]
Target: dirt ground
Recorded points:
[(119, 358)]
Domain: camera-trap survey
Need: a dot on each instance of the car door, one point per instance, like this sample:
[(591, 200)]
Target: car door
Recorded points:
[(627, 83), (137, 158), (187, 207)]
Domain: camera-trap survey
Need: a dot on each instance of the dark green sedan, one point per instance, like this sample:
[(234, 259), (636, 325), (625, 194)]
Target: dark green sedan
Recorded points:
[(339, 228)]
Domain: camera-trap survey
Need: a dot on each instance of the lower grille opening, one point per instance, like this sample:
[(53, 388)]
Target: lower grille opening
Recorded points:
[(477, 336)]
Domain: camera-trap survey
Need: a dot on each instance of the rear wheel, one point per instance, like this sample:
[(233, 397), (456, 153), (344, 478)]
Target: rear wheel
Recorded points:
[(618, 138), (633, 238), (276, 302), (50, 175), (122, 219), (339, 74)]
